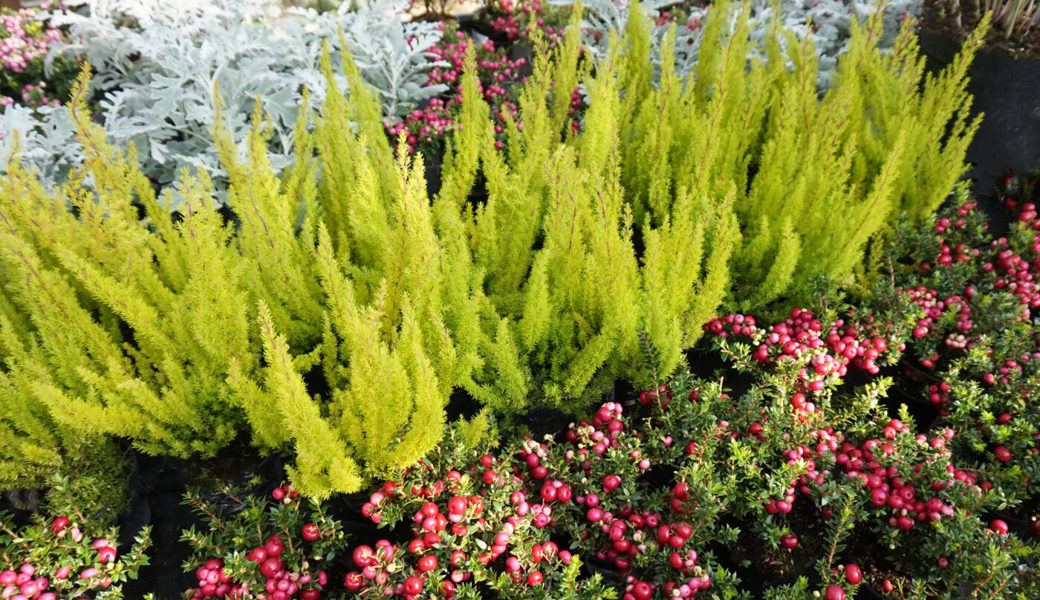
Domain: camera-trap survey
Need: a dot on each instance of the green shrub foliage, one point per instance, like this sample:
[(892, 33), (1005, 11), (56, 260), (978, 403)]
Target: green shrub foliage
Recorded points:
[(815, 179), (566, 287), (341, 305)]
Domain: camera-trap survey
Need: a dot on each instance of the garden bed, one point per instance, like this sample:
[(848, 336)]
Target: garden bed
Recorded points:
[(496, 311)]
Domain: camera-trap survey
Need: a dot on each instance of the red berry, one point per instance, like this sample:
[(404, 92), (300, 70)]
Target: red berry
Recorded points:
[(999, 526), (311, 532), (270, 566), (353, 580), (887, 586), (273, 546), (428, 563), (676, 560), (537, 553), (853, 574), (278, 493), (789, 541), (641, 590), (413, 585), (534, 578), (364, 556), (457, 505), (106, 554), (257, 555), (1003, 454), (59, 524), (834, 592)]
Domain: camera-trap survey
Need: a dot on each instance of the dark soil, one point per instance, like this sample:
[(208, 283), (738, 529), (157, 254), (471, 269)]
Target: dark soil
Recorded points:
[(1005, 85), (944, 17)]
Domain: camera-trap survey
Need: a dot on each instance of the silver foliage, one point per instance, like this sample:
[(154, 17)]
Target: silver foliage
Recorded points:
[(832, 20), (157, 64)]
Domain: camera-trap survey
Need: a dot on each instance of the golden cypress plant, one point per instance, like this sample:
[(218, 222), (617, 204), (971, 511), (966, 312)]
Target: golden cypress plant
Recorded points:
[(815, 179), (566, 289), (398, 307), (115, 325), (169, 331)]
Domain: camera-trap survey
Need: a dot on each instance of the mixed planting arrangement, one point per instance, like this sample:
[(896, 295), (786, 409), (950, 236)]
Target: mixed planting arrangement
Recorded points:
[(427, 270)]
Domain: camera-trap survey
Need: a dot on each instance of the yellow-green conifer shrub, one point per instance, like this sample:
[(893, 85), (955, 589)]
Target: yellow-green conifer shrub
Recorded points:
[(397, 305), (566, 289), (114, 325), (179, 333), (815, 179)]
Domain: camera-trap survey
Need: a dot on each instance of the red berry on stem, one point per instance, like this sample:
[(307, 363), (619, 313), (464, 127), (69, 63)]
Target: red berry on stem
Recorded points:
[(311, 532), (853, 574), (457, 505), (789, 541), (413, 585), (106, 554), (59, 524), (353, 580), (363, 556), (641, 590), (537, 553), (428, 563), (270, 566), (273, 546), (834, 592)]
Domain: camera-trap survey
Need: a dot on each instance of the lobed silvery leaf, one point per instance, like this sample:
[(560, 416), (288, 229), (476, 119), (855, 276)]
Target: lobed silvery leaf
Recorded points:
[(831, 25), (157, 65)]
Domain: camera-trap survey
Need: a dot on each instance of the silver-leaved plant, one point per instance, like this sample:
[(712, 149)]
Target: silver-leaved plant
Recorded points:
[(158, 66), (831, 22)]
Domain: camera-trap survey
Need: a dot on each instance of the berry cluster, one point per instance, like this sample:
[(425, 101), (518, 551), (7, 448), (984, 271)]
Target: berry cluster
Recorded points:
[(66, 562), (495, 73), (280, 566), (453, 536), (23, 584), (587, 487), (1003, 269), (517, 19), (823, 356), (975, 344), (279, 583), (889, 483)]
